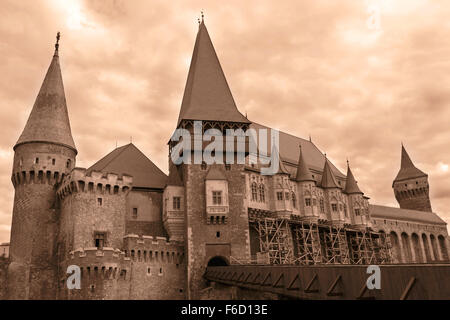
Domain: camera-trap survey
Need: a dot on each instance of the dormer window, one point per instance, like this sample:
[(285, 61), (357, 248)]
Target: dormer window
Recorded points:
[(217, 198)]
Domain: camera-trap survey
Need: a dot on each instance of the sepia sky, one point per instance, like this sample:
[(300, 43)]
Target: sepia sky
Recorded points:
[(360, 76)]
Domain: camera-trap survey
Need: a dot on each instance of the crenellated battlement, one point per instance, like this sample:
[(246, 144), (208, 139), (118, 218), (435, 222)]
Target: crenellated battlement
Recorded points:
[(107, 263), (96, 182), (153, 249), (37, 177)]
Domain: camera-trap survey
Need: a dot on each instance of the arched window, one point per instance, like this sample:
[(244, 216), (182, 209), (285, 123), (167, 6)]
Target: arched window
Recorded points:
[(254, 192), (294, 200), (262, 193)]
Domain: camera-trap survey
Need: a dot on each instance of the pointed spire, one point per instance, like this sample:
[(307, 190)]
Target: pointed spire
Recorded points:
[(407, 168), (351, 186), (303, 173), (49, 119), (328, 178), (207, 95)]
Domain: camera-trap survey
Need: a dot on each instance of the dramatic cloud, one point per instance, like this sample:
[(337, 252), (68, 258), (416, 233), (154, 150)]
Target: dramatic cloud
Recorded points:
[(359, 76)]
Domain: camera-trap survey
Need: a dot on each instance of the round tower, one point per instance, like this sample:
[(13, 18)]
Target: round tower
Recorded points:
[(43, 155), (411, 187)]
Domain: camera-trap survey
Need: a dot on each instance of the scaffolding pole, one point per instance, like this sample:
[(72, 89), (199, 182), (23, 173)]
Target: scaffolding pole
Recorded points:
[(307, 244), (336, 247)]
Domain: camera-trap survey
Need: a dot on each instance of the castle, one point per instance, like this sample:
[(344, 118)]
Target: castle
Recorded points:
[(136, 233)]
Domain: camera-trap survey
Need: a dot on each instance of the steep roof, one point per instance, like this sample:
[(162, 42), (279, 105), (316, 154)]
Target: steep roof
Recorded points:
[(407, 169), (130, 160), (49, 119), (351, 186), (207, 95), (303, 173), (328, 178), (290, 153), (378, 211)]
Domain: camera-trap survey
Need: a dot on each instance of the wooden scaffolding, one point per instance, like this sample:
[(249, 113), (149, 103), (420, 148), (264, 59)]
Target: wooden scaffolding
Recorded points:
[(275, 239), (335, 245), (307, 243)]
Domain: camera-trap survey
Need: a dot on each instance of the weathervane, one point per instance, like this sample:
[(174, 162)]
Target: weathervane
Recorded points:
[(58, 36)]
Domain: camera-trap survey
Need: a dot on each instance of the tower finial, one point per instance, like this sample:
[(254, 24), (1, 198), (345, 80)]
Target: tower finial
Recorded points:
[(310, 139), (203, 16), (198, 20), (58, 36)]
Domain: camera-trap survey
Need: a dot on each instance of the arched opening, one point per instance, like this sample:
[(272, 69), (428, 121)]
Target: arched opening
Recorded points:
[(406, 248), (426, 247), (434, 247), (417, 249), (395, 247), (217, 262), (443, 247)]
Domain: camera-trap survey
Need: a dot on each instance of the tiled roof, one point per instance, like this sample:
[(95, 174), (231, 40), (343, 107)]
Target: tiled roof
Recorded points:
[(303, 173), (328, 178), (351, 186), (49, 119), (130, 160), (207, 95), (378, 211), (407, 169), (215, 174)]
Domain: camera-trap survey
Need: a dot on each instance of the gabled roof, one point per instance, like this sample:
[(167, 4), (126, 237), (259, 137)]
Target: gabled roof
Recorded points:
[(407, 169), (130, 160), (328, 178), (377, 211), (207, 95), (215, 174), (351, 186), (303, 173), (49, 119)]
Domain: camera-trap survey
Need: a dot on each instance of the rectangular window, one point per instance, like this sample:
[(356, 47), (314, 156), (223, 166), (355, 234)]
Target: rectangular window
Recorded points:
[(314, 202), (286, 195), (334, 207), (308, 202), (135, 213), (217, 197), (53, 161), (99, 239), (176, 203), (36, 160), (322, 206), (99, 201), (280, 196), (357, 212)]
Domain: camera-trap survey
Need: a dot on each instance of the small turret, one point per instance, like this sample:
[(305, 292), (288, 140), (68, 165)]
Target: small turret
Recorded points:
[(411, 186)]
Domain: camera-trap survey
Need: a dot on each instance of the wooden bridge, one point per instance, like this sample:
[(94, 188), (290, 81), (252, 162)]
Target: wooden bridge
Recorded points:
[(338, 281)]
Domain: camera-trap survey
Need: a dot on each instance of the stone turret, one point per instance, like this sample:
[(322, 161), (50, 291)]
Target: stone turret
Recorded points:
[(43, 155), (411, 187), (356, 202)]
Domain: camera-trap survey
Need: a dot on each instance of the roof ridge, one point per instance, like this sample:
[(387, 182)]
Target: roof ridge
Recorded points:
[(113, 158)]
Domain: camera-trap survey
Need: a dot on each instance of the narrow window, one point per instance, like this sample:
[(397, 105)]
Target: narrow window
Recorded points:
[(218, 234), (160, 271), (345, 210), (176, 203), (68, 163), (279, 196), (357, 212), (314, 202), (286, 195), (99, 201), (53, 161), (262, 193), (135, 213), (227, 167), (99, 239), (308, 202), (334, 207), (148, 270), (36, 160), (294, 200), (322, 206), (217, 197), (254, 192)]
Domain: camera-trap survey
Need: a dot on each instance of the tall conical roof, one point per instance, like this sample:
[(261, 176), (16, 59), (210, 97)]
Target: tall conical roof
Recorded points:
[(407, 169), (328, 178), (49, 119), (351, 186), (303, 173), (207, 95)]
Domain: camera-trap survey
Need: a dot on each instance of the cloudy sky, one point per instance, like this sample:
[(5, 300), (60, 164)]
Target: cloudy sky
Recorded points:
[(360, 76)]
